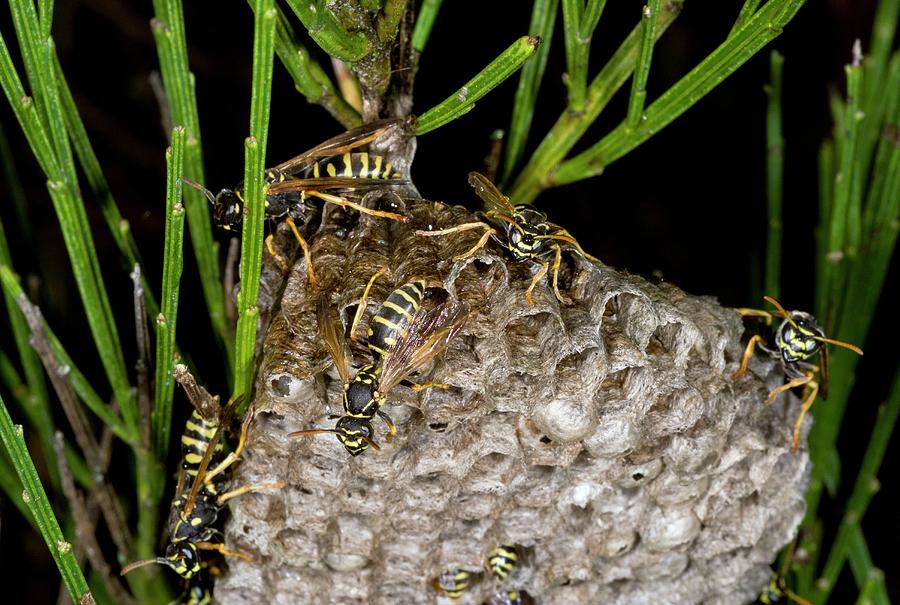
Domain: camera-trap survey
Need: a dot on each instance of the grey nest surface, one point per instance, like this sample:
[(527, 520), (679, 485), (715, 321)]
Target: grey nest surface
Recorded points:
[(606, 439)]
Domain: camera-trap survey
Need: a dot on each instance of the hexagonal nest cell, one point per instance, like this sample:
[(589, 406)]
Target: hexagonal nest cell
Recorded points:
[(606, 439)]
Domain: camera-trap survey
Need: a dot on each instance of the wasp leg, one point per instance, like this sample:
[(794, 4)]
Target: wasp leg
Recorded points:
[(796, 382), (309, 264), (540, 274), (807, 403), (339, 201), (748, 353), (222, 499), (557, 261), (428, 385), (270, 246), (233, 456), (564, 236), (220, 548), (361, 308), (488, 230), (392, 430), (745, 312)]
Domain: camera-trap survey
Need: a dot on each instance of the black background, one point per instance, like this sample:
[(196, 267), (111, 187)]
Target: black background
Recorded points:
[(689, 204)]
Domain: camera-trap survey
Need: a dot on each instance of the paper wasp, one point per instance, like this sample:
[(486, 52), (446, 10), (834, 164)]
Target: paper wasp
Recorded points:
[(326, 172), (452, 583), (502, 560), (197, 503), (797, 339), (524, 232), (778, 592), (510, 597), (407, 349)]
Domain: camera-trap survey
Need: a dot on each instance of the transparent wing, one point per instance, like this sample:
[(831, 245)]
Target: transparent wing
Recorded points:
[(333, 337), (490, 195), (429, 334), (340, 144)]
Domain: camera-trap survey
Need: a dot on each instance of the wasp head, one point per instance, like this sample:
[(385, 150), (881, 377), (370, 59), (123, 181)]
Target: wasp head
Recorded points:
[(183, 558), (355, 434), (228, 209)]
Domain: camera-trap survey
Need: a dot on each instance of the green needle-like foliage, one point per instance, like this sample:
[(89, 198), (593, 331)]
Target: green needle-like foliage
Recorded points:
[(166, 322), (254, 195), (463, 101), (428, 13), (642, 70), (171, 45), (327, 31), (38, 504), (774, 172)]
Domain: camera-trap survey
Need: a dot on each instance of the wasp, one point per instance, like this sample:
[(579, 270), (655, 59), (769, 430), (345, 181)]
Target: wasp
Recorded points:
[(294, 184), (524, 232), (797, 339), (778, 592), (502, 560), (406, 349), (452, 583), (196, 505), (510, 597)]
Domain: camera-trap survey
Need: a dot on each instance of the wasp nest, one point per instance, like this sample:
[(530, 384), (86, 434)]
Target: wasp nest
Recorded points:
[(605, 438)]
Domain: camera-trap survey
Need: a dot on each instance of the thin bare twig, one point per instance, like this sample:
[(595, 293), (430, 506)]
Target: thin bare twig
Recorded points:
[(106, 498), (85, 526), (142, 365), (201, 399)]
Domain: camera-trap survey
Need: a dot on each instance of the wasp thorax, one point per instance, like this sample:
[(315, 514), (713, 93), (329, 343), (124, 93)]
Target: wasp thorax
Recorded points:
[(361, 396)]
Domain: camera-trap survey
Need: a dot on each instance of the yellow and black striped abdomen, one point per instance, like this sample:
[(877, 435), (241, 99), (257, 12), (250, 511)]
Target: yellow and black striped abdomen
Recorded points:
[(502, 560), (198, 432), (354, 166), (392, 320)]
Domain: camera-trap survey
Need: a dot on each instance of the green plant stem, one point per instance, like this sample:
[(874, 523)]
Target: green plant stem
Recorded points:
[(864, 489), (543, 19), (873, 591), (826, 180), (326, 30), (255, 195), (167, 320), (487, 79), (747, 11), (570, 127), (39, 506), (763, 27), (428, 13), (79, 383), (863, 568), (309, 78), (642, 70), (12, 487), (388, 21), (774, 175), (576, 68), (14, 185), (171, 45)]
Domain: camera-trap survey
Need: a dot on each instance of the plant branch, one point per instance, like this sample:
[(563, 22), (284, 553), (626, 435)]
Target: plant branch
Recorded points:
[(326, 30), (638, 96), (428, 13), (487, 79)]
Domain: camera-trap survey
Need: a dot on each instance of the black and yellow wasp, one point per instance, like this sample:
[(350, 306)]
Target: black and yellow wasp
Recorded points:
[(452, 583), (777, 591), (510, 597), (328, 167), (797, 339), (403, 337), (524, 232), (502, 560), (198, 500)]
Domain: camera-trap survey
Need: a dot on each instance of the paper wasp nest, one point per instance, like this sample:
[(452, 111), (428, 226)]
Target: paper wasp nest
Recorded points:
[(606, 439)]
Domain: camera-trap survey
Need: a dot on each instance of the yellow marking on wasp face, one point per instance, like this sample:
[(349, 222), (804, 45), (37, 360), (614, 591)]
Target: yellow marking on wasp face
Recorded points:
[(348, 165), (330, 169), (363, 165), (196, 521), (377, 169), (387, 170)]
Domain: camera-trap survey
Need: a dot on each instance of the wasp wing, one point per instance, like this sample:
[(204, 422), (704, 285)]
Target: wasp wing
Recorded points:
[(333, 337), (224, 420), (332, 183), (490, 195), (429, 334), (342, 143)]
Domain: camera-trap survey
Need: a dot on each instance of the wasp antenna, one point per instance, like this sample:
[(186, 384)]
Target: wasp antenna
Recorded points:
[(781, 310), (370, 441), (840, 343), (209, 194), (136, 564), (307, 432)]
